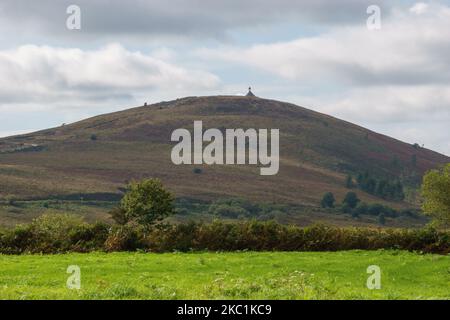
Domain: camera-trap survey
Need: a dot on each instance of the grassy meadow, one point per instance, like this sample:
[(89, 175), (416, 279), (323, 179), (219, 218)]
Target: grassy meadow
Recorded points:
[(238, 275)]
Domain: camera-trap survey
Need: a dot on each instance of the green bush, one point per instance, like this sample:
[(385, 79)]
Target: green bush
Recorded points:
[(265, 236), (17, 240), (124, 238), (47, 234), (85, 238), (376, 209), (234, 207), (228, 211)]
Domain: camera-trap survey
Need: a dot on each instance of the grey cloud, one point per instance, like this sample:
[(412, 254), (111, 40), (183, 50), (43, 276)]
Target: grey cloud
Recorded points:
[(183, 18)]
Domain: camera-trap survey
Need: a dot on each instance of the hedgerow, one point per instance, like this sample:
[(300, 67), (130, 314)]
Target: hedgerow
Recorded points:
[(63, 233)]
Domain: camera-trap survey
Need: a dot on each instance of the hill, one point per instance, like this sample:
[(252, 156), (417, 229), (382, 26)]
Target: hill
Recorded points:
[(94, 158)]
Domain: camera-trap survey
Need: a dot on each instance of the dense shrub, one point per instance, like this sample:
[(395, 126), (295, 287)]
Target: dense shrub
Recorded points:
[(377, 209), (241, 208), (228, 211), (124, 238), (56, 234), (85, 238)]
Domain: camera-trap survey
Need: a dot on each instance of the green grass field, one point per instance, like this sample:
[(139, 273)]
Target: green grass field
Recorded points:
[(240, 275)]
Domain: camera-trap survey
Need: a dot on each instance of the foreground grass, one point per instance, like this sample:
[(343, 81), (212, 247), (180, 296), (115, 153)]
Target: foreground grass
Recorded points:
[(241, 275)]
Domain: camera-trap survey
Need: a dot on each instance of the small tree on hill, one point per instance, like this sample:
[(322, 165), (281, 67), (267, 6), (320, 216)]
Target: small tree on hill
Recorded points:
[(327, 200), (349, 182), (436, 194), (145, 202), (351, 199)]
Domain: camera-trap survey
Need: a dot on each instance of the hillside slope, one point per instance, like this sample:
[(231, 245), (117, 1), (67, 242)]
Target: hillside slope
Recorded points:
[(100, 154)]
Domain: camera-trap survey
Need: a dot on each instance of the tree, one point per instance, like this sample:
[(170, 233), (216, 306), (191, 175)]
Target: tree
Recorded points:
[(351, 199), (359, 179), (436, 194), (327, 200), (146, 202), (349, 182), (119, 216)]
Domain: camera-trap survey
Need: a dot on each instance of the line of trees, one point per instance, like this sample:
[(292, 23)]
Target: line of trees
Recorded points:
[(351, 204), (435, 191), (383, 188)]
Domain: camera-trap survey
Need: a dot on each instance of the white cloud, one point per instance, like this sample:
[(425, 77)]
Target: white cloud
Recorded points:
[(409, 49), (397, 75), (419, 8), (39, 76), (393, 104)]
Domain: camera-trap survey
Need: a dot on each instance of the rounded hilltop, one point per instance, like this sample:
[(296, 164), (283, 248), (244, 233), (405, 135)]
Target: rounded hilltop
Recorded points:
[(317, 152)]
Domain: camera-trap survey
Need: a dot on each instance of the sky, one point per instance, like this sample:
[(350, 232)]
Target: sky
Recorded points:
[(318, 54)]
